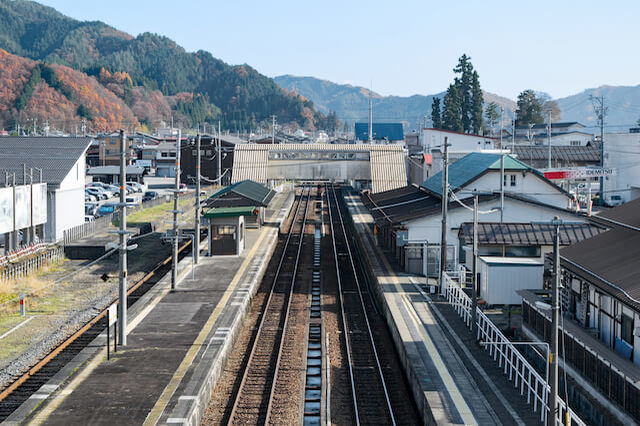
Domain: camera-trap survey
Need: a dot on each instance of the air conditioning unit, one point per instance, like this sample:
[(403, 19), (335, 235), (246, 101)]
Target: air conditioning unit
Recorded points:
[(636, 331)]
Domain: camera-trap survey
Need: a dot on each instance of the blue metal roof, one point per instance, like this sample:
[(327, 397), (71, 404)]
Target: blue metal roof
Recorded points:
[(469, 168), (381, 131)]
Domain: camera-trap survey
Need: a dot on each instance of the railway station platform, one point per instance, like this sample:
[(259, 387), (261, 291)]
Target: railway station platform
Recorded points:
[(445, 369), (177, 344)]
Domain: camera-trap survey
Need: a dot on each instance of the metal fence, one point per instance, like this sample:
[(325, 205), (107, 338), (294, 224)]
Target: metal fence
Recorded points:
[(500, 348), (604, 376), (30, 263)]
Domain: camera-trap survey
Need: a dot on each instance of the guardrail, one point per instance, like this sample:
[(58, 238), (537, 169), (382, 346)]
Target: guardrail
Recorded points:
[(515, 365)]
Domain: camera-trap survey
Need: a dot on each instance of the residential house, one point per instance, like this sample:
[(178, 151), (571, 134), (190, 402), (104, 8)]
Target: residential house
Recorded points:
[(109, 149), (111, 174), (461, 142), (600, 303), (208, 160), (63, 164), (622, 154), (408, 220), (562, 134), (564, 156)]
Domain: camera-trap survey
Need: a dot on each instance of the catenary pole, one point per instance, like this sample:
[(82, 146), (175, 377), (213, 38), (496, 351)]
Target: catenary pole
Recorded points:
[(196, 251), (122, 281), (474, 291), (555, 310), (220, 156), (174, 263), (549, 142), (445, 202)]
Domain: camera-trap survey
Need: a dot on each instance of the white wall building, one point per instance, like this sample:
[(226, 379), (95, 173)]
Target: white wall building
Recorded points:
[(463, 142), (622, 153), (63, 164)]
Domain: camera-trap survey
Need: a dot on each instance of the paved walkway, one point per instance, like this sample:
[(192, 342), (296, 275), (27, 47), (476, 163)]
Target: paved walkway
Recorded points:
[(176, 344)]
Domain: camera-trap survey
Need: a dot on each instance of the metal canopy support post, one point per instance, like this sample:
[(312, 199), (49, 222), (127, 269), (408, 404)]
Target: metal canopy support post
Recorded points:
[(174, 263), (474, 291), (122, 306), (555, 310), (196, 243), (445, 201)]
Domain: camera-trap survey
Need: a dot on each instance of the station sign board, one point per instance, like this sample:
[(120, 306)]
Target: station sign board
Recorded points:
[(578, 173)]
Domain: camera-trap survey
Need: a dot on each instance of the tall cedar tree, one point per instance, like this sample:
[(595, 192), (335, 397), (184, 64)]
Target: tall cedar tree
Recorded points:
[(492, 115), (436, 116), (467, 100), (451, 115), (476, 104), (529, 109)]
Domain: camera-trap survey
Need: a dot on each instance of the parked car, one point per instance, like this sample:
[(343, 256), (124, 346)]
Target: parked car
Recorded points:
[(183, 188), (137, 186), (106, 209), (88, 197), (149, 195), (90, 209), (89, 218), (97, 192)]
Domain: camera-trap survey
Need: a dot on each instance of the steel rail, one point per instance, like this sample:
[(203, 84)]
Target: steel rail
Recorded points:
[(49, 357), (245, 375), (364, 310)]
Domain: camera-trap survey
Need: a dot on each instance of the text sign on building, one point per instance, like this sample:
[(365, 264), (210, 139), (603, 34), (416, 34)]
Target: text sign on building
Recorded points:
[(578, 173)]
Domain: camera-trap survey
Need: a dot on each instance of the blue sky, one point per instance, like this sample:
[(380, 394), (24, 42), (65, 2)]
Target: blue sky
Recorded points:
[(403, 47)]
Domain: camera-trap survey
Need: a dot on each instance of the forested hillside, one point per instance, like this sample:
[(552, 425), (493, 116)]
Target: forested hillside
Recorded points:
[(200, 87)]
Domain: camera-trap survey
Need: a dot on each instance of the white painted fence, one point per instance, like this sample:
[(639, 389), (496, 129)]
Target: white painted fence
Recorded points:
[(515, 365)]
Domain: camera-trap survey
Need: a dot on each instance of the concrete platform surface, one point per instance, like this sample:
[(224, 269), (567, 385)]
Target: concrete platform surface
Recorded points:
[(177, 348), (446, 384)]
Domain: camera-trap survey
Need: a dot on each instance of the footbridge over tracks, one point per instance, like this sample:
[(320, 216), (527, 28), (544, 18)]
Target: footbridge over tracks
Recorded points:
[(378, 167)]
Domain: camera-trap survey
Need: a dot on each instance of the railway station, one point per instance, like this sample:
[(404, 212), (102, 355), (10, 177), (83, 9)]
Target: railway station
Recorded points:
[(291, 313)]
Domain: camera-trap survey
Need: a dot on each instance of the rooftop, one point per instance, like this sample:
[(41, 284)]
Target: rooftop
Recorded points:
[(255, 192), (469, 168), (381, 131), (585, 154), (230, 211), (526, 234), (56, 156), (114, 170)]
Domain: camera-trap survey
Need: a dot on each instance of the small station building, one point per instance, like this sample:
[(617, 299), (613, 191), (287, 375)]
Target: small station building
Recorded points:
[(231, 211)]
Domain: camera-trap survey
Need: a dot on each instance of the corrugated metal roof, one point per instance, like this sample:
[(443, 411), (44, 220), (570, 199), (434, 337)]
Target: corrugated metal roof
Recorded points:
[(526, 234), (582, 154), (56, 156), (381, 131), (248, 189), (230, 211), (469, 168)]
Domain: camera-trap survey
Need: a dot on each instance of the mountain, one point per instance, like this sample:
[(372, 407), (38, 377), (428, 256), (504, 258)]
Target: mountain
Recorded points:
[(204, 88), (351, 103), (623, 103)]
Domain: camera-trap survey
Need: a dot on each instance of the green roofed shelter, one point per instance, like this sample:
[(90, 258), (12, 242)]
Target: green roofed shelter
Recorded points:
[(230, 211), (244, 193), (471, 167)]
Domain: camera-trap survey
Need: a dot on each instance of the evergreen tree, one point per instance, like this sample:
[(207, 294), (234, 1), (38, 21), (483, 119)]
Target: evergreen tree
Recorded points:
[(436, 116), (476, 104), (492, 115), (464, 87), (529, 109), (451, 114)]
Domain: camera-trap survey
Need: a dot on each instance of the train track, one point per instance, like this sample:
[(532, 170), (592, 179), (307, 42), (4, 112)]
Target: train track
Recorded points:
[(369, 392), (262, 390), (30, 382)]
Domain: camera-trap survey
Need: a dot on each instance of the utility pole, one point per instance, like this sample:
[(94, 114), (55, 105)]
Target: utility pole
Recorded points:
[(122, 305), (501, 186), (513, 133), (555, 310), (174, 263), (370, 138), (445, 201), (474, 291), (220, 154), (549, 142), (501, 124), (196, 251), (273, 129), (601, 112)]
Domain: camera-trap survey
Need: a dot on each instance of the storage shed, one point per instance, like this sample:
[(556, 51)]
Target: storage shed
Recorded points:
[(501, 278)]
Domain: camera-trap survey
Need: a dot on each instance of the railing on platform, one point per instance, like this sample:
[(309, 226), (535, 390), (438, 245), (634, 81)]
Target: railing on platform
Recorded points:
[(515, 365)]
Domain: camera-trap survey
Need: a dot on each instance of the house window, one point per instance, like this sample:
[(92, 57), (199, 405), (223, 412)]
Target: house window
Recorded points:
[(513, 180), (574, 143), (164, 154), (505, 181), (194, 152), (627, 329)]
